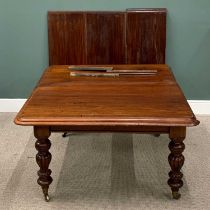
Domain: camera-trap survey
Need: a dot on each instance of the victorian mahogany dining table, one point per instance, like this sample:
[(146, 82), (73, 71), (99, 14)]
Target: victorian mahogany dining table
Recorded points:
[(151, 104)]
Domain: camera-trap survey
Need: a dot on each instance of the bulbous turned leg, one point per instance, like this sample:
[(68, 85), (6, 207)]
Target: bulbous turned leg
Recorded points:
[(43, 158), (176, 159)]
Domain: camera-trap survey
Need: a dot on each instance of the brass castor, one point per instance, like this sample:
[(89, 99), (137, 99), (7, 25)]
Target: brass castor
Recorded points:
[(47, 198), (176, 195)]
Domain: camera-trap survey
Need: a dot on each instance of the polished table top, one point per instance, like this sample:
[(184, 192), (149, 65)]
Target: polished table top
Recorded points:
[(149, 100)]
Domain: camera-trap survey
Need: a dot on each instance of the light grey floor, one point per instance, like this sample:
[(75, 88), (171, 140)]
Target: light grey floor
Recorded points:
[(102, 170)]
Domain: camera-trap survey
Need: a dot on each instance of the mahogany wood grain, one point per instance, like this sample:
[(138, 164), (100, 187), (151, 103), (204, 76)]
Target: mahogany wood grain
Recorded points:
[(123, 37), (105, 38), (66, 38), (146, 36), (98, 128), (135, 100)]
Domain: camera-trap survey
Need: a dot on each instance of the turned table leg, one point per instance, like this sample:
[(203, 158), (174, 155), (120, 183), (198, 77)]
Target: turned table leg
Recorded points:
[(43, 158), (176, 159)]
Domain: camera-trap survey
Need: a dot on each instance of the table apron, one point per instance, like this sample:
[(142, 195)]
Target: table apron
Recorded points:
[(95, 128)]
